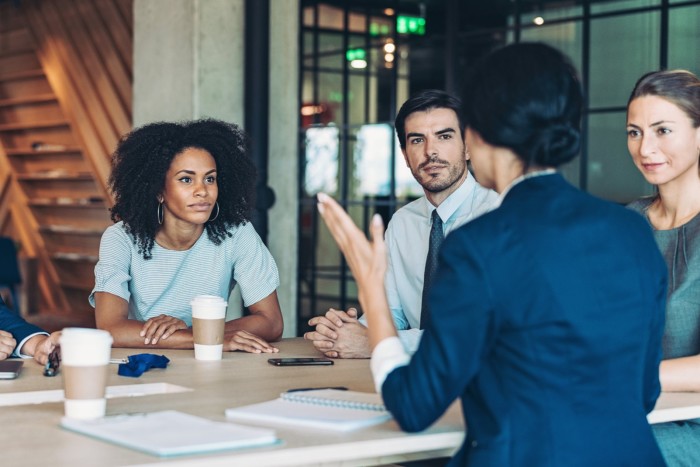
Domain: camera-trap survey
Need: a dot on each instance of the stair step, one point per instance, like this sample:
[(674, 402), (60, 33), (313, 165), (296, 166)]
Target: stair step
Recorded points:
[(76, 285), (21, 126), (91, 202), (57, 319), (23, 74), (66, 256), (54, 175), (11, 52), (29, 100), (52, 150), (69, 229)]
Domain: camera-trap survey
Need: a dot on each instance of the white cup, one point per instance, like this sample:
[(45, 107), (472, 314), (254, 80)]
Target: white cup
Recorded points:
[(85, 355), (208, 321)]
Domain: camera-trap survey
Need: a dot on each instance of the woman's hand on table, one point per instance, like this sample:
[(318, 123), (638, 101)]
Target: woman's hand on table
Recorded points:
[(160, 327), (247, 342)]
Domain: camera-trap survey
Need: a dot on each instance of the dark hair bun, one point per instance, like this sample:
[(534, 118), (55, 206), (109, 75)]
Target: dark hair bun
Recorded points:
[(526, 97), (553, 145)]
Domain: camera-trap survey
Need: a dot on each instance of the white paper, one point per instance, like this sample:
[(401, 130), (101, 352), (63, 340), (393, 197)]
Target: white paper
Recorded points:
[(171, 433)]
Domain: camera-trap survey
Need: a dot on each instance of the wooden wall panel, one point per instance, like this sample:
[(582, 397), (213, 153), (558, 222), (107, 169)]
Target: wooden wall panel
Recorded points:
[(118, 71), (71, 62), (65, 100), (117, 16)]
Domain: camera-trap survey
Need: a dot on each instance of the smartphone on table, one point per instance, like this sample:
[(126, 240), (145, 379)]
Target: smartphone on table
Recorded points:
[(9, 369), (300, 361)]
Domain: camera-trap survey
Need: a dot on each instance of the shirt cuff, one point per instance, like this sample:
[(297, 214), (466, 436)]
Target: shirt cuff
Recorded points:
[(410, 338), (18, 349), (388, 355)]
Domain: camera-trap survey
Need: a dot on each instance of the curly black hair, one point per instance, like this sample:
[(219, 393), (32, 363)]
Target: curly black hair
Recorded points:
[(143, 157)]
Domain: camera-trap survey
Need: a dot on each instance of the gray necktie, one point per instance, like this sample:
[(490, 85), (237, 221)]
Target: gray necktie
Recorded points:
[(436, 238)]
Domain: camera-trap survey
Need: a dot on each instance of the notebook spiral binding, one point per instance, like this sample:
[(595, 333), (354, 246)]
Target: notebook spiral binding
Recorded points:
[(335, 402)]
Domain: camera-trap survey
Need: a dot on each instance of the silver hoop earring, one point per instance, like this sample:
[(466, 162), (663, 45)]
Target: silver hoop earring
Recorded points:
[(217, 213), (159, 213)]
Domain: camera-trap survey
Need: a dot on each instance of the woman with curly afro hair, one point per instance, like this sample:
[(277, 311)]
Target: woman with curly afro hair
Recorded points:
[(183, 193)]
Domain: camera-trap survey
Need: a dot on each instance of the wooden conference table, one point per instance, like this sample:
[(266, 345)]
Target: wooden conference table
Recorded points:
[(32, 436)]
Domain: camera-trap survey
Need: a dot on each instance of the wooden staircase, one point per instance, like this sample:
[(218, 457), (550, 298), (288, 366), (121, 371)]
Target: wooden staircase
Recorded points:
[(65, 98)]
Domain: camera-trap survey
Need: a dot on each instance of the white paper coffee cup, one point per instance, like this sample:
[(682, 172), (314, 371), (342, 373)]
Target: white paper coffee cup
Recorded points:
[(85, 355), (208, 322)]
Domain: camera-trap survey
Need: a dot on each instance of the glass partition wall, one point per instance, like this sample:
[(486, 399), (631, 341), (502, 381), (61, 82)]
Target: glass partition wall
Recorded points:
[(360, 60)]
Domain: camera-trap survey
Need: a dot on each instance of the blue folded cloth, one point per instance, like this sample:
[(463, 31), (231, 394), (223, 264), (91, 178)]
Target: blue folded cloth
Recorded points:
[(142, 362)]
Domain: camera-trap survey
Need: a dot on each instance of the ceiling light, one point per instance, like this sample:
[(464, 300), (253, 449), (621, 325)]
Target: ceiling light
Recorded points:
[(358, 63)]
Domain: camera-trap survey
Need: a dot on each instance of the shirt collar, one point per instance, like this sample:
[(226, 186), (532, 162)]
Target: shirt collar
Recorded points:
[(523, 177), (448, 207)]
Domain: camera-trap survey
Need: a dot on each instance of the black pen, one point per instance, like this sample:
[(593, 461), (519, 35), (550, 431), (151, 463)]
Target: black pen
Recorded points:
[(52, 364), (339, 388)]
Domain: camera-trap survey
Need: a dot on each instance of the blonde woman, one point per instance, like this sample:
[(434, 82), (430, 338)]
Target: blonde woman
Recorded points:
[(663, 137)]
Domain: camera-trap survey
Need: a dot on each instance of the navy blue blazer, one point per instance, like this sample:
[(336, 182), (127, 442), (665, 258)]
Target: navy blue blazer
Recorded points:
[(548, 314), (15, 325)]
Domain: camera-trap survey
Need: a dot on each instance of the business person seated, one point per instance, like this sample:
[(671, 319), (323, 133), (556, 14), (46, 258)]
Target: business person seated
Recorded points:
[(547, 312), (19, 338), (663, 137), (183, 194), (430, 130)]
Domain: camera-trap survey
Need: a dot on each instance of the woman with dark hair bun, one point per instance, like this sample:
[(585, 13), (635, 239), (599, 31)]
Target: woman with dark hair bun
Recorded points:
[(547, 312), (183, 194), (539, 121), (663, 137)]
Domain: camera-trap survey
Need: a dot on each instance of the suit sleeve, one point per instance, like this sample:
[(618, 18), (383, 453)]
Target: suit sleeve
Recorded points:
[(453, 345), (15, 325)]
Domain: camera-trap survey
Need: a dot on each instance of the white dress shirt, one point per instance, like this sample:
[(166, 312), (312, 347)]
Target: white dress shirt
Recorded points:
[(18, 350), (407, 238)]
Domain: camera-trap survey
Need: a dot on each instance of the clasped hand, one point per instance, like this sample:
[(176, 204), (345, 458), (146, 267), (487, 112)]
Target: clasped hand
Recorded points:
[(339, 334), (163, 326), (39, 346)]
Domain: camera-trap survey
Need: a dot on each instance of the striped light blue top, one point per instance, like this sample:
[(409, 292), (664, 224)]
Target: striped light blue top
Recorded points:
[(166, 283)]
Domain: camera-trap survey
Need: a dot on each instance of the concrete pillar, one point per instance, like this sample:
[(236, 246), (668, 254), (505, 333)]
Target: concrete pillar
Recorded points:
[(283, 167), (188, 60)]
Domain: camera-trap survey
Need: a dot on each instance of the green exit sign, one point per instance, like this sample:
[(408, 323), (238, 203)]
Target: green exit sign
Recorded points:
[(376, 29), (410, 25), (355, 54)]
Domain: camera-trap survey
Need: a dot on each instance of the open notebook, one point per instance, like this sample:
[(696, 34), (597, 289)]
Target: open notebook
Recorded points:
[(171, 433), (328, 409)]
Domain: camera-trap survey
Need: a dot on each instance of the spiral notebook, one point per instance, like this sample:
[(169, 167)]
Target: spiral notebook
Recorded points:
[(328, 409)]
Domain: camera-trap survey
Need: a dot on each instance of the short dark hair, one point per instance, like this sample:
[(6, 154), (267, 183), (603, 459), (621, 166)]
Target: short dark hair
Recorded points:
[(680, 87), (143, 157), (427, 100), (526, 97)]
